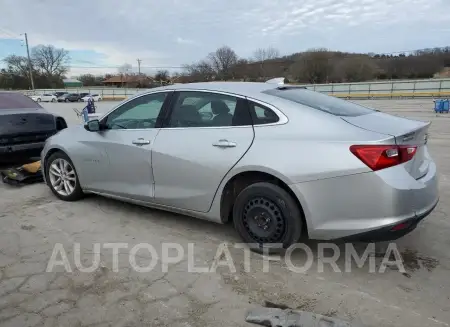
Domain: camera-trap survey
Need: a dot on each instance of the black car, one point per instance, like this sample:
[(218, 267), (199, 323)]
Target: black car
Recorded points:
[(58, 94), (82, 95), (24, 126), (69, 97)]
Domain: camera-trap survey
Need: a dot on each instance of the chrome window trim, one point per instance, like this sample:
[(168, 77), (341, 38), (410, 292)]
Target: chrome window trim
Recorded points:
[(282, 118)]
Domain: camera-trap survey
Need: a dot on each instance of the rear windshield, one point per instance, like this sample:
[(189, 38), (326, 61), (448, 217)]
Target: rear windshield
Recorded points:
[(321, 102), (17, 101)]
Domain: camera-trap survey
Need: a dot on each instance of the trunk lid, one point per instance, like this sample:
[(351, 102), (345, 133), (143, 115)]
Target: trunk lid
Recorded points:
[(16, 122), (405, 132)]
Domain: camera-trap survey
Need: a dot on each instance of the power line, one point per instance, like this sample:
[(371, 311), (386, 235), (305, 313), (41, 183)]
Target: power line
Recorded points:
[(148, 67), (9, 33)]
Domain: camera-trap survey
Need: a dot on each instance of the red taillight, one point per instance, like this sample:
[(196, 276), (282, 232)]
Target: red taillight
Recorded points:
[(378, 157), (400, 226)]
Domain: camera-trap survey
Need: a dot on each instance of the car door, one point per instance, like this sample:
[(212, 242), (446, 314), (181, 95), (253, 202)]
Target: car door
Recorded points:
[(126, 137), (46, 97), (204, 135)]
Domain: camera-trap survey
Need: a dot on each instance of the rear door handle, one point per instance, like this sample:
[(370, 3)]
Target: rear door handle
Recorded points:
[(224, 144), (141, 141)]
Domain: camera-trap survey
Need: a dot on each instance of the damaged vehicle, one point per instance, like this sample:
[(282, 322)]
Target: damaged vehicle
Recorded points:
[(24, 126), (279, 161)]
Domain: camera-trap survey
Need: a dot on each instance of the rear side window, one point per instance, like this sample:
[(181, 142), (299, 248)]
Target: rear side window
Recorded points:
[(321, 102), (262, 115), (10, 100)]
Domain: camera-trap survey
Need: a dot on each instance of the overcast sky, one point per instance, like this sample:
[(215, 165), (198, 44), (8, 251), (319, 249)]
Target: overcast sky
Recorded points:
[(169, 33)]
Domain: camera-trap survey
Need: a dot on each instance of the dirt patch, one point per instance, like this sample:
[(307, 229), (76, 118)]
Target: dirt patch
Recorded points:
[(27, 227), (269, 296), (413, 261)]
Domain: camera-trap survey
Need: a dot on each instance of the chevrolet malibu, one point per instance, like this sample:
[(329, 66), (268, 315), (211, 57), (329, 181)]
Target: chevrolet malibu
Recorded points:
[(281, 162)]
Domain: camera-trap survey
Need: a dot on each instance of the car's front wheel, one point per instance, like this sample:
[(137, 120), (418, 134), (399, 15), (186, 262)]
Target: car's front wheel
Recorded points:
[(67, 100), (53, 100), (267, 218), (38, 100), (62, 177)]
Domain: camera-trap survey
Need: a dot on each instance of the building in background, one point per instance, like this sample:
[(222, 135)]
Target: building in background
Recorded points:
[(70, 82), (135, 81)]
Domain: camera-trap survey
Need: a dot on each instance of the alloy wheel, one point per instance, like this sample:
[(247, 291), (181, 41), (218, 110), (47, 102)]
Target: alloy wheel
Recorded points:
[(62, 177)]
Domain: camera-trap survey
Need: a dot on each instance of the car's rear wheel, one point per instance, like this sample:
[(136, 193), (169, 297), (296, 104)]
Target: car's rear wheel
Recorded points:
[(53, 100), (267, 218), (67, 100), (62, 177)]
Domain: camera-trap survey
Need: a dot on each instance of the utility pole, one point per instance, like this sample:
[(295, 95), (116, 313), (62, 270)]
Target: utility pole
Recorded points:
[(139, 66), (29, 62)]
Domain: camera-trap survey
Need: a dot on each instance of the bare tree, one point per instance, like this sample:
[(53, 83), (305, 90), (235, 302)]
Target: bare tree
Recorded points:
[(356, 69), (88, 80), (162, 77), (124, 69), (201, 71), (222, 61), (17, 65), (313, 66), (262, 54), (51, 61)]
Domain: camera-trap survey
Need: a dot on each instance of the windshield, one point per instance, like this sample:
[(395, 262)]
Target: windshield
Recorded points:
[(320, 101), (17, 101)]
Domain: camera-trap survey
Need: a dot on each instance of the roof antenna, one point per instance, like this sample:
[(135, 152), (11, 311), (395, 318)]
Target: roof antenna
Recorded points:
[(277, 80)]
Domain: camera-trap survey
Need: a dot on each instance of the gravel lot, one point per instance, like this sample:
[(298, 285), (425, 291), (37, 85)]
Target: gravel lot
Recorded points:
[(32, 221)]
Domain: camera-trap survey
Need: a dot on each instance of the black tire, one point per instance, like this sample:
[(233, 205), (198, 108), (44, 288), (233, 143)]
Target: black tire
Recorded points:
[(67, 100), (77, 193), (53, 100), (273, 202)]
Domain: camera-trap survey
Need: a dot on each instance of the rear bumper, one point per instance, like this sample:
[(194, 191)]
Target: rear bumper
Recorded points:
[(367, 205), (390, 233)]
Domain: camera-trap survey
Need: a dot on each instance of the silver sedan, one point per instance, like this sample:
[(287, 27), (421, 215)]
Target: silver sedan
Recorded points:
[(279, 161)]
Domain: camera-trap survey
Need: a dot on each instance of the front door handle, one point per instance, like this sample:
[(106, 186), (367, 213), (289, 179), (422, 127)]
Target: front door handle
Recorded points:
[(224, 144), (140, 141)]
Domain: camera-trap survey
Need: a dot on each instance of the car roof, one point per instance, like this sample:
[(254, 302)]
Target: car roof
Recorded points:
[(251, 89), (16, 100)]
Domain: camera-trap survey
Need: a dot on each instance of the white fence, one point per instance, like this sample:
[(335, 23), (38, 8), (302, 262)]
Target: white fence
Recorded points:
[(433, 88)]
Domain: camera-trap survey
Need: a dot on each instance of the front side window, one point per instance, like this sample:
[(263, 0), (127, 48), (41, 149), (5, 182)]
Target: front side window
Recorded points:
[(207, 109), (141, 112)]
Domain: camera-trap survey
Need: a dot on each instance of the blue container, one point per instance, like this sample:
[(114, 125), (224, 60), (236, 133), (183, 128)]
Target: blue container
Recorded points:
[(441, 105), (445, 105)]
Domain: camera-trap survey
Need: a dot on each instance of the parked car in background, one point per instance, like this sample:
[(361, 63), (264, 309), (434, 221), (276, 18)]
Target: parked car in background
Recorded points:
[(35, 98), (24, 126), (46, 97), (58, 94), (95, 97), (278, 161), (69, 97), (84, 94)]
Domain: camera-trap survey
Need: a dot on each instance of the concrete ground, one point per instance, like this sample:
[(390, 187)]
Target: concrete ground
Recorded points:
[(33, 221)]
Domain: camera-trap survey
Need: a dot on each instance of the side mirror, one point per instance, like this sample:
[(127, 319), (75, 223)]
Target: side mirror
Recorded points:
[(92, 126)]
